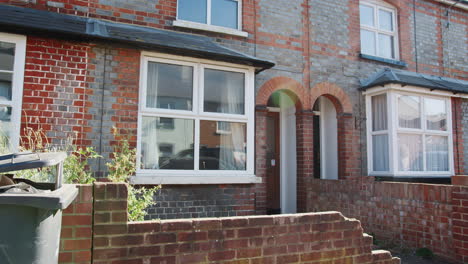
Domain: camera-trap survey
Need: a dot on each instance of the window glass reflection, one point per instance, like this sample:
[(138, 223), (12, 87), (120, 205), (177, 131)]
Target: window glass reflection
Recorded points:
[(192, 10), (222, 145), (167, 143), (409, 113), (224, 13), (224, 92), (436, 114), (169, 86), (7, 56)]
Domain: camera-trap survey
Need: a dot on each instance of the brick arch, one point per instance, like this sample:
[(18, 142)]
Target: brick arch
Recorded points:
[(290, 86), (333, 92)]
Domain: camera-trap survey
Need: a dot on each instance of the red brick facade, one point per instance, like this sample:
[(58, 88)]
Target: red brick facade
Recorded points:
[(83, 88)]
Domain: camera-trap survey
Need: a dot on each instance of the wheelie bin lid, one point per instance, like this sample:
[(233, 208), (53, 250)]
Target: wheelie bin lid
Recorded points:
[(29, 160)]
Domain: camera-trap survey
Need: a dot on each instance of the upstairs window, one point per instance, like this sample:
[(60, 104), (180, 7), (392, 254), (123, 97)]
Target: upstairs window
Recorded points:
[(378, 30), (221, 13), (409, 134), (12, 56)]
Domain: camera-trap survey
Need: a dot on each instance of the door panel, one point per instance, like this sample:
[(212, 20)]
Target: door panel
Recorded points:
[(273, 163)]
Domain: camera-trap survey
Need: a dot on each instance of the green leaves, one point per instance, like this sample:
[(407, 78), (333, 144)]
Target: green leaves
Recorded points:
[(121, 167)]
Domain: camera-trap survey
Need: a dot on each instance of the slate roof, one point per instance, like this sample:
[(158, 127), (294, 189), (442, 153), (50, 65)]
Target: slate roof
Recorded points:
[(402, 77), (31, 21)]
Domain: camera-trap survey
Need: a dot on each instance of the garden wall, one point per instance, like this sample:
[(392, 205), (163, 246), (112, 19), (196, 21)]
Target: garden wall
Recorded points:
[(411, 215), (299, 238)]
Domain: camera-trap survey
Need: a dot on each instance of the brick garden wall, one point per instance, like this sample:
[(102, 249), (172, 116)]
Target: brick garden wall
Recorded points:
[(77, 225), (301, 238), (409, 214)]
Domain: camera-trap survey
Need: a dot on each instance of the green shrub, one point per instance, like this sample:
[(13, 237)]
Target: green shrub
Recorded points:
[(424, 253), (75, 167), (121, 167)]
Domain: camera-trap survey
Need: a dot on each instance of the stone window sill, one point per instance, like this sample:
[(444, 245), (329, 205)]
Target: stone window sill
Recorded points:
[(210, 28), (195, 179), (384, 60)]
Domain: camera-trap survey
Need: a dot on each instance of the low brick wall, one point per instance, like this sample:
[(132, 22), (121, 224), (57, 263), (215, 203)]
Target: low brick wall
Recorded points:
[(299, 238), (410, 214), (77, 224)]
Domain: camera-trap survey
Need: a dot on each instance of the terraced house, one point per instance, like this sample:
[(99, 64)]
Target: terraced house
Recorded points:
[(243, 107)]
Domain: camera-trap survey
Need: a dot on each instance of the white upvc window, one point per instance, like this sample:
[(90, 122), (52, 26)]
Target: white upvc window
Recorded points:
[(409, 134), (223, 16), (12, 59), (379, 33), (183, 103)]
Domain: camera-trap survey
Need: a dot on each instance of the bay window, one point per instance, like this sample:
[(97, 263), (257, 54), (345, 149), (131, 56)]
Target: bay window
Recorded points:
[(184, 103), (12, 57), (409, 134)]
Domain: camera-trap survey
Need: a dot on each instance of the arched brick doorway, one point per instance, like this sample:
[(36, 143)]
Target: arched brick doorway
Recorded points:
[(346, 136), (280, 148)]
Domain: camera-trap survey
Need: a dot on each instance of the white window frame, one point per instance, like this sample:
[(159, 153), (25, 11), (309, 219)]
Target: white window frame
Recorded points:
[(17, 85), (213, 28), (379, 5), (196, 176), (392, 91)]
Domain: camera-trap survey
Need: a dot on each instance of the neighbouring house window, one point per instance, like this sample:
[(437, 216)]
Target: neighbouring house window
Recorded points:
[(223, 13), (185, 104), (12, 56), (409, 134), (378, 30)]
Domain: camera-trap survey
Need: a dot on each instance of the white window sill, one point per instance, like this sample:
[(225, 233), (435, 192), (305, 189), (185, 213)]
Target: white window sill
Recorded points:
[(413, 175), (195, 179), (211, 28)]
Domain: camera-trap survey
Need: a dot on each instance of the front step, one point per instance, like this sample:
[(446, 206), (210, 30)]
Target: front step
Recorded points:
[(380, 256)]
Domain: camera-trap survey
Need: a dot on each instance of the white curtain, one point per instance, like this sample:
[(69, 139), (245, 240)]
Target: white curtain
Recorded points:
[(437, 153), (410, 152), (380, 152), (409, 113), (149, 145), (152, 84), (379, 112), (232, 149)]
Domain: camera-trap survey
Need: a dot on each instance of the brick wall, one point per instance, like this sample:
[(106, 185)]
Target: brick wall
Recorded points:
[(301, 238), (77, 225), (408, 214), (197, 201)]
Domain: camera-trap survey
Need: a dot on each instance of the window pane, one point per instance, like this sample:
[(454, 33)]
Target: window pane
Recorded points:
[(223, 149), (367, 42), (192, 10), (5, 86), (385, 20), (5, 129), (386, 46), (224, 13), (410, 152), (436, 114), (224, 92), (437, 153), (7, 56), (169, 86), (380, 152), (379, 112), (366, 14), (409, 111), (167, 147)]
